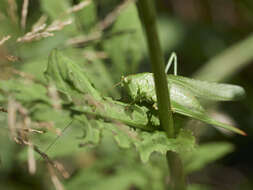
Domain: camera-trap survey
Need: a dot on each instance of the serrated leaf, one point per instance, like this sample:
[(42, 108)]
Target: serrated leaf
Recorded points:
[(69, 78), (205, 154), (120, 133), (157, 141), (145, 142), (132, 115), (91, 130), (209, 90)]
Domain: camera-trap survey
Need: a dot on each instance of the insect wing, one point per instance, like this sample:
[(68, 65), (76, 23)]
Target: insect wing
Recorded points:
[(183, 102), (202, 116), (181, 98), (209, 90)]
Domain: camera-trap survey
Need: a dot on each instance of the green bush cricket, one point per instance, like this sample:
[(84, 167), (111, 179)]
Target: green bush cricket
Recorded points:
[(183, 93)]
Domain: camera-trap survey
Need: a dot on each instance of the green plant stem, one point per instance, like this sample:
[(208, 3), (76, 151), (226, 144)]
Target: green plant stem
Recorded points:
[(147, 14), (177, 176)]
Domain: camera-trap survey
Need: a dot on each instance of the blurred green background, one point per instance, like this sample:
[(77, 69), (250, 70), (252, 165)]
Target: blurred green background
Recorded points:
[(213, 40)]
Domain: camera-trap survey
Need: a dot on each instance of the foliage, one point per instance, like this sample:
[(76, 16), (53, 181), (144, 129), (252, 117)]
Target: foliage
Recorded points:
[(71, 97)]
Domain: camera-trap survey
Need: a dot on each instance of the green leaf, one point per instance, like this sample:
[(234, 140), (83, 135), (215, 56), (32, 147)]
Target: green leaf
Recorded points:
[(54, 8), (36, 67), (87, 17), (25, 91), (115, 111), (59, 139), (69, 78), (63, 143), (91, 130), (44, 112), (205, 154), (145, 142), (2, 98), (97, 71), (122, 134), (93, 180), (159, 142), (209, 90), (126, 50)]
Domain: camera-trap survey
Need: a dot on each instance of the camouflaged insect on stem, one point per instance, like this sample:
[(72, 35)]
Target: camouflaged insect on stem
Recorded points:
[(183, 93)]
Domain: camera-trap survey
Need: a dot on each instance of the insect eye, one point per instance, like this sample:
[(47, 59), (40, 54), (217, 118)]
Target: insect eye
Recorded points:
[(124, 79)]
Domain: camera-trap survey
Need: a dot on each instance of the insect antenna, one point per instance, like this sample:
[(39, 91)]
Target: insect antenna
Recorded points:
[(56, 139), (117, 84)]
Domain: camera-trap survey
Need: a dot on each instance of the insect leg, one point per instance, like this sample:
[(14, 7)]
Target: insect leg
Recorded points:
[(172, 58)]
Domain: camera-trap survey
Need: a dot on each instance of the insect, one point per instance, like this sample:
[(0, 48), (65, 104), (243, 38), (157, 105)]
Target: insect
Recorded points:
[(140, 88), (183, 93), (73, 83)]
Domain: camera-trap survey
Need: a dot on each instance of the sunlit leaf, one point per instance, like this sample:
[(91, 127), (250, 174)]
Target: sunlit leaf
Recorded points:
[(69, 78), (159, 142), (115, 111)]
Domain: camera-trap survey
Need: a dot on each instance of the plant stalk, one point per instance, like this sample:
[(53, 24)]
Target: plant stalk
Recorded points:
[(147, 14)]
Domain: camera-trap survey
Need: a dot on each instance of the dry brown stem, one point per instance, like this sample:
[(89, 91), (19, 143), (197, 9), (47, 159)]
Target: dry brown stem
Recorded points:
[(101, 26), (24, 13), (41, 31), (4, 39), (78, 7), (53, 94), (58, 185)]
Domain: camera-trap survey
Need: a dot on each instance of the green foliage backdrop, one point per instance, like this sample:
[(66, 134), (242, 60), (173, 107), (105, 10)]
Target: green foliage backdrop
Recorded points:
[(103, 41)]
